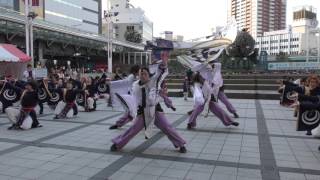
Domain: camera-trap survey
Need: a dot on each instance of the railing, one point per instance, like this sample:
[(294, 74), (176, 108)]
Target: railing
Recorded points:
[(18, 17)]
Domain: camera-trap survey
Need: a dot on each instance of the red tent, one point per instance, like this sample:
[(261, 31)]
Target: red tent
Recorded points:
[(12, 61)]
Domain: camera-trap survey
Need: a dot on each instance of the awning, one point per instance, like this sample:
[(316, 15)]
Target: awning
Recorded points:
[(10, 53)]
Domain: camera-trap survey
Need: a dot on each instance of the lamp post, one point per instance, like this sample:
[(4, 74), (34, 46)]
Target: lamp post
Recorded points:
[(108, 16), (29, 16), (307, 37), (26, 12), (318, 46)]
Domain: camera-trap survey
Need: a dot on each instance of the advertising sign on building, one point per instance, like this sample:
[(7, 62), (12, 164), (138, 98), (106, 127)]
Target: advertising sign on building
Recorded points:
[(37, 7), (293, 66)]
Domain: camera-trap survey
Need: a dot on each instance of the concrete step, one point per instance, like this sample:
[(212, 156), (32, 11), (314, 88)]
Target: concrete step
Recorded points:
[(252, 76), (237, 94), (233, 81), (271, 87)]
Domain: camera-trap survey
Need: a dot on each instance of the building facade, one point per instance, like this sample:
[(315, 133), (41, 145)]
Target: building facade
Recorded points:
[(296, 39), (85, 15), (258, 16), (81, 14), (282, 41), (10, 4), (130, 20)]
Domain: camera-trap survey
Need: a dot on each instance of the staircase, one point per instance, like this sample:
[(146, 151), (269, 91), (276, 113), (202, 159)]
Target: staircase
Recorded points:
[(239, 86)]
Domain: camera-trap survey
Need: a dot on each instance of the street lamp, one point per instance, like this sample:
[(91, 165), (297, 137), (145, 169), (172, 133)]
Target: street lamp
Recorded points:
[(108, 15)]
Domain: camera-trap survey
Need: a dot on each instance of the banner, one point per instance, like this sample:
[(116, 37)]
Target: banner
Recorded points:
[(294, 66), (41, 72)]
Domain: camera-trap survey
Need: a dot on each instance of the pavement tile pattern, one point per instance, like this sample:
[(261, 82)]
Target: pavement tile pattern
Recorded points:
[(265, 146)]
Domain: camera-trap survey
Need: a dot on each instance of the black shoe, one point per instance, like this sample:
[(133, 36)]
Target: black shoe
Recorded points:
[(235, 115), (173, 108), (17, 127), (56, 117), (113, 127), (190, 112), (182, 149), (41, 112), (113, 148), (11, 127), (308, 133), (189, 126), (235, 124), (319, 148)]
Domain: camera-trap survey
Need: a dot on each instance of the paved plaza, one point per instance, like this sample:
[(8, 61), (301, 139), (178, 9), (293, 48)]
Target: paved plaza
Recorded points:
[(264, 146)]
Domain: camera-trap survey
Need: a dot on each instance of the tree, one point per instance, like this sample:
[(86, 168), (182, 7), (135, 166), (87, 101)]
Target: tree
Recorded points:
[(282, 56), (133, 36), (243, 46)]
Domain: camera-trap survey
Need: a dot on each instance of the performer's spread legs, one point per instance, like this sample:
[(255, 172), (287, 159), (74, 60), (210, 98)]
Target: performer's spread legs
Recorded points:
[(123, 139), (122, 121), (221, 114), (160, 121), (193, 118), (224, 99)]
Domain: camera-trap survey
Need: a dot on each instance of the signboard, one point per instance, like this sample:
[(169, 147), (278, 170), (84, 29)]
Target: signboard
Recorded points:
[(41, 72), (293, 66)]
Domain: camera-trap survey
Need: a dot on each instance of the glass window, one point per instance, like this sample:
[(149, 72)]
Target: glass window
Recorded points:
[(6, 4)]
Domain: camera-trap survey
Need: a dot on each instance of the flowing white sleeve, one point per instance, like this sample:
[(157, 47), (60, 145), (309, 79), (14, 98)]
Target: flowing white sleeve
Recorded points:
[(122, 86), (206, 89), (198, 95), (136, 93), (152, 97)]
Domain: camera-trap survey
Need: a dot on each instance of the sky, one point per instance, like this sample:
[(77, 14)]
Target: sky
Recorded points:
[(196, 18)]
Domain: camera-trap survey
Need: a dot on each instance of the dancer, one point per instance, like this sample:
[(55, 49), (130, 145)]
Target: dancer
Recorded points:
[(203, 88), (218, 84), (29, 100), (9, 94), (89, 99), (146, 93), (185, 88), (128, 115), (66, 108)]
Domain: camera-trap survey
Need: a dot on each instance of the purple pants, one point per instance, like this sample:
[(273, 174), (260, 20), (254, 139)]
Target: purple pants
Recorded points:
[(224, 99), (167, 101), (160, 121), (195, 113), (124, 120), (215, 109)]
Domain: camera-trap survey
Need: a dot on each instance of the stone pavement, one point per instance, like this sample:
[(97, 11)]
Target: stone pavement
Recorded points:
[(264, 146)]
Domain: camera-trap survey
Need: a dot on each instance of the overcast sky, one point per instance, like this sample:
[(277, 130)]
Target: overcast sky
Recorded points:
[(194, 19)]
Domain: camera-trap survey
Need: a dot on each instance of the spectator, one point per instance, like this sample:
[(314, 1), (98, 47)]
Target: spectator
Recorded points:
[(185, 88), (29, 74)]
